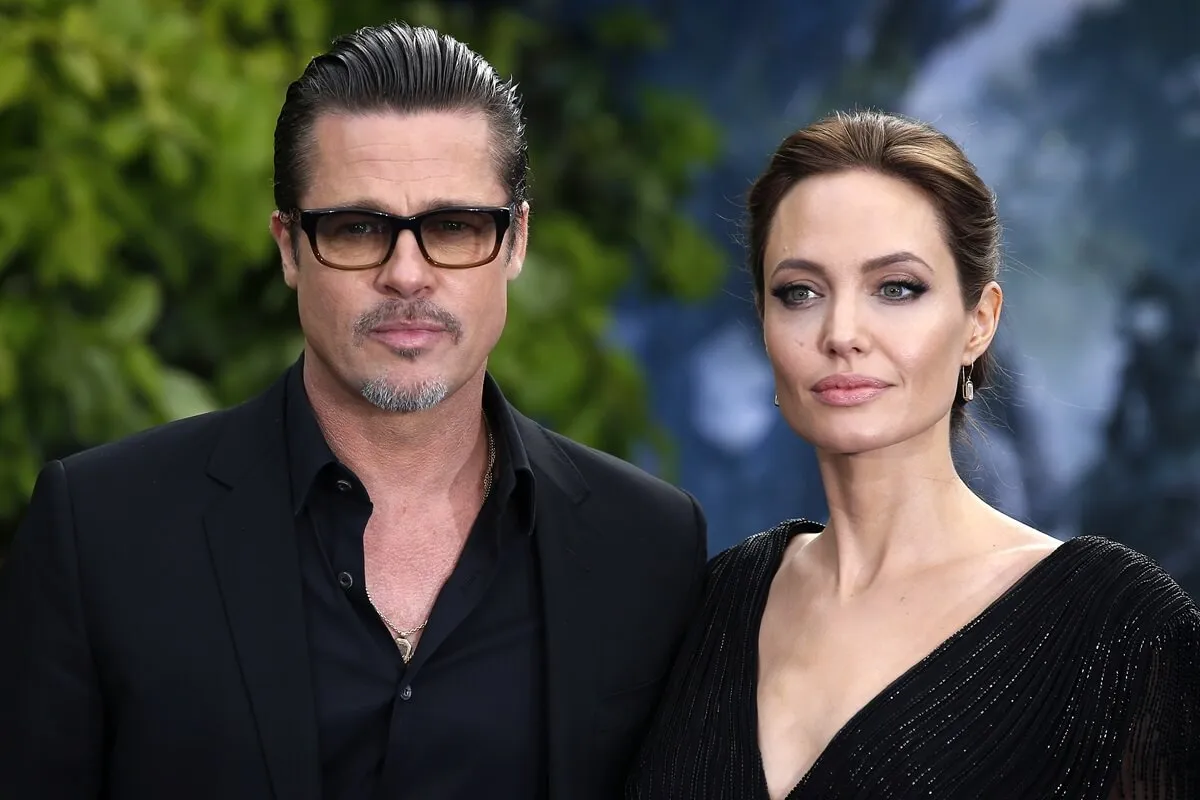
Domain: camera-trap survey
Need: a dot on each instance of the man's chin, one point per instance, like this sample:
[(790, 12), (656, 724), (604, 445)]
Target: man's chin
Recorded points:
[(403, 397)]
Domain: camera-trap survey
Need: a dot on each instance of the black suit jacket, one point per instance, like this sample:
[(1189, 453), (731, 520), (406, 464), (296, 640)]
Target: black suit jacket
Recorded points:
[(152, 640)]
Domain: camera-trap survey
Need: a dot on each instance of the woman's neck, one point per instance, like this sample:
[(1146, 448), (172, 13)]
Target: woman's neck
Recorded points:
[(895, 510)]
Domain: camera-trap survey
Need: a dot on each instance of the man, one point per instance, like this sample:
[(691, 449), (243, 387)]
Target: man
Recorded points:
[(377, 579)]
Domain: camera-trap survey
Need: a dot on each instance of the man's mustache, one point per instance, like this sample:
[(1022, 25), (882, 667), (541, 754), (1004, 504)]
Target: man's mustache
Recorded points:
[(406, 311)]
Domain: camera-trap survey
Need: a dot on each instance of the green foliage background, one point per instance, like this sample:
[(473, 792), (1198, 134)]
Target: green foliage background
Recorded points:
[(138, 282)]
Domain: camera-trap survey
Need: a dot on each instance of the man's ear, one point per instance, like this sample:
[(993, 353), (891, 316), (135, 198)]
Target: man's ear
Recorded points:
[(281, 232), (520, 241)]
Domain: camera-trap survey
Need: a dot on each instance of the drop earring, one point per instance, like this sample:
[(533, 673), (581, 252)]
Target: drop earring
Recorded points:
[(968, 388), (777, 401)]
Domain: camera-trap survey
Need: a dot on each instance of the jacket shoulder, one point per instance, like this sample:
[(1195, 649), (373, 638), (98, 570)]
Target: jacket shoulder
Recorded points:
[(185, 446), (608, 475), (153, 446), (629, 504)]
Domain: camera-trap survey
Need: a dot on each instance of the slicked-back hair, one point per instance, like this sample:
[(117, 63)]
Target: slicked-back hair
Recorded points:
[(912, 151), (403, 69)]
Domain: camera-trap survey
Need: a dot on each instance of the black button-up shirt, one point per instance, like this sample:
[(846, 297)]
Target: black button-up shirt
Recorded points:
[(464, 719)]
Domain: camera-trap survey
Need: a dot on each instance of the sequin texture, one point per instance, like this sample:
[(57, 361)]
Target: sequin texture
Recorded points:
[(1081, 682)]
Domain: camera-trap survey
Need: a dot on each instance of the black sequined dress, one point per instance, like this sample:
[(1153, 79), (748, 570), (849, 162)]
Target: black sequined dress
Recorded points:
[(1081, 682)]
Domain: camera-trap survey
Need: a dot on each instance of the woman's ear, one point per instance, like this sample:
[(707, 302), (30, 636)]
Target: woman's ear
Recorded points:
[(984, 321)]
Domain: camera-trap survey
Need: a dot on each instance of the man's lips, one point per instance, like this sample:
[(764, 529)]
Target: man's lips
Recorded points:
[(408, 335), (409, 326)]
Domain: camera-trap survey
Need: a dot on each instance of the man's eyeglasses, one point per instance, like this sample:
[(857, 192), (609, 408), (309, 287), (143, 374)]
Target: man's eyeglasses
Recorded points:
[(455, 238)]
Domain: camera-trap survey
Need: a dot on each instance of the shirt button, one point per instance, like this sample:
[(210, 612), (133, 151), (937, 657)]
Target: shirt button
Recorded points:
[(406, 694), (345, 580), (343, 485)]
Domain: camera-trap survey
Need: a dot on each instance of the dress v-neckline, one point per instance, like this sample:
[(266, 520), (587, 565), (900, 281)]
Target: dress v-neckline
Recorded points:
[(878, 699)]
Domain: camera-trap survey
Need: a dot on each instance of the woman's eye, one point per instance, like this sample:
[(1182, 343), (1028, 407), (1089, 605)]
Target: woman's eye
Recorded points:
[(902, 290), (794, 294)]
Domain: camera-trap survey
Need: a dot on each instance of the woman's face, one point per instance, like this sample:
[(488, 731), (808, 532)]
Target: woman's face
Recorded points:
[(863, 314)]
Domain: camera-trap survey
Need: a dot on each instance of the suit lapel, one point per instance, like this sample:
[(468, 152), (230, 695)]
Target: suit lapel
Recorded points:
[(562, 542), (252, 540)]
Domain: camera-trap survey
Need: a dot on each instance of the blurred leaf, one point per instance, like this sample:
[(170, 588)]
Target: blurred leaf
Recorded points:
[(8, 372), (135, 312), (82, 70), (124, 135), (171, 162), (14, 75), (185, 395), (144, 371), (690, 266), (630, 27)]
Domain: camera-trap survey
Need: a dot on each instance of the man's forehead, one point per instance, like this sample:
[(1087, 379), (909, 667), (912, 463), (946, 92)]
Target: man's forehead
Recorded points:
[(406, 160), (426, 131)]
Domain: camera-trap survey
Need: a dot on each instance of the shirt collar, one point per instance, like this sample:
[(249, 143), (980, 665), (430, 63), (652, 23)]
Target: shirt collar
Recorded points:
[(308, 452)]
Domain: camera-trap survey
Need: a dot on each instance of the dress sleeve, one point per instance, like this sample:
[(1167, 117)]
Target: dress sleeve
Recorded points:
[(1161, 758)]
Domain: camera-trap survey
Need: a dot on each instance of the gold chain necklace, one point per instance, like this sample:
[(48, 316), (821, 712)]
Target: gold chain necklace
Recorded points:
[(403, 639)]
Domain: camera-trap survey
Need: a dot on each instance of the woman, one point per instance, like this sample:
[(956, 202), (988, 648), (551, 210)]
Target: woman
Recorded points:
[(920, 644)]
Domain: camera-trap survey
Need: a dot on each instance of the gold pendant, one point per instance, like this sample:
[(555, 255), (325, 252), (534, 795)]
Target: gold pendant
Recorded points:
[(406, 648)]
